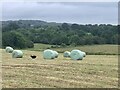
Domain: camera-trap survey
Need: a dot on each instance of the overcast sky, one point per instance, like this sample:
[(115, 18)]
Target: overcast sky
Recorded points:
[(77, 12)]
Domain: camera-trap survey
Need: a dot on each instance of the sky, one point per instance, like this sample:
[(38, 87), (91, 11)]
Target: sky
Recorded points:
[(69, 12)]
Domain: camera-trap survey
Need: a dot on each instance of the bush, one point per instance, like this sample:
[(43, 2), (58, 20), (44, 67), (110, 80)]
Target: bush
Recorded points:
[(55, 46), (29, 44), (16, 40), (63, 45)]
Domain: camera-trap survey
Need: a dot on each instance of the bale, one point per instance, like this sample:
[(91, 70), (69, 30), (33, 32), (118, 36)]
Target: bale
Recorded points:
[(76, 55), (56, 54), (17, 54), (84, 54), (48, 54), (9, 49), (66, 54)]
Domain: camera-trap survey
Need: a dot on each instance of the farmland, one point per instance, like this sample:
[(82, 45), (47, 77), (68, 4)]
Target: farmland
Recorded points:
[(94, 71), (90, 49), (81, 29)]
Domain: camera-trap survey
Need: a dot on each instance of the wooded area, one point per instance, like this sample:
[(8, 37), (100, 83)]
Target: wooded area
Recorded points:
[(24, 33)]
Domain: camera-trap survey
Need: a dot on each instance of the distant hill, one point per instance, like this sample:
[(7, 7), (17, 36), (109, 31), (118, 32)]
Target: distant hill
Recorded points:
[(30, 23)]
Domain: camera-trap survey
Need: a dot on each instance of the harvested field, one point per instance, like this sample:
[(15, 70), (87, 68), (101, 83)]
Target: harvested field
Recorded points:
[(94, 71)]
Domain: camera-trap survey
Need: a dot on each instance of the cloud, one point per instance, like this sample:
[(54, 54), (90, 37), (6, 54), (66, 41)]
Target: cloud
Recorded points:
[(87, 12), (60, 0)]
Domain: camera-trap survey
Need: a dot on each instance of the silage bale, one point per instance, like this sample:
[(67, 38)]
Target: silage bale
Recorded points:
[(48, 54), (84, 54), (66, 54), (9, 49), (56, 54), (76, 55), (17, 54)]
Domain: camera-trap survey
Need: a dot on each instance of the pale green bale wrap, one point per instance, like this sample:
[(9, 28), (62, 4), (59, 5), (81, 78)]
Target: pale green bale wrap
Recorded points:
[(66, 54), (84, 54), (9, 49), (17, 54), (76, 55), (56, 54), (48, 54)]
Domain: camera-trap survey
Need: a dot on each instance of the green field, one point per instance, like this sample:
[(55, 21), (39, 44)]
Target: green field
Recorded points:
[(89, 49), (94, 71)]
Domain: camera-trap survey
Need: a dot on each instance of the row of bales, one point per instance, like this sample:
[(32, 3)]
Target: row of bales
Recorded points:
[(50, 54), (75, 54), (15, 53)]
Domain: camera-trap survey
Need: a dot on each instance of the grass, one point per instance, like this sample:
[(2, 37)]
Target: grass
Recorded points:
[(40, 47), (94, 71), (89, 49)]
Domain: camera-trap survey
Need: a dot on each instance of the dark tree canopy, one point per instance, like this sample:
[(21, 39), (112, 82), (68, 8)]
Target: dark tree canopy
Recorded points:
[(23, 33), (16, 40)]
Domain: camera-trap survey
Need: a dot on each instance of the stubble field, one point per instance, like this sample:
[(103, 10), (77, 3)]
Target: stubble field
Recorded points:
[(94, 71)]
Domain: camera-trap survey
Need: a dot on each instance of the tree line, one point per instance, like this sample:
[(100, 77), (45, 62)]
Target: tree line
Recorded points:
[(24, 36)]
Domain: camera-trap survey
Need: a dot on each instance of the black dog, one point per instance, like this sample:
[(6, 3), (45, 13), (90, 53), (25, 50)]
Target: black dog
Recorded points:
[(33, 56)]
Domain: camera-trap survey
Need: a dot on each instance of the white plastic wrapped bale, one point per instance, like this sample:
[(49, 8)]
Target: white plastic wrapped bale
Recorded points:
[(17, 54), (48, 54), (9, 49), (66, 54), (76, 55), (84, 54), (56, 54)]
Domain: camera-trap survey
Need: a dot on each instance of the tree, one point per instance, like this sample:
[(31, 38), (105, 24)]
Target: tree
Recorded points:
[(115, 39), (88, 39), (65, 27), (16, 40), (98, 40), (10, 26), (75, 27), (74, 39)]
